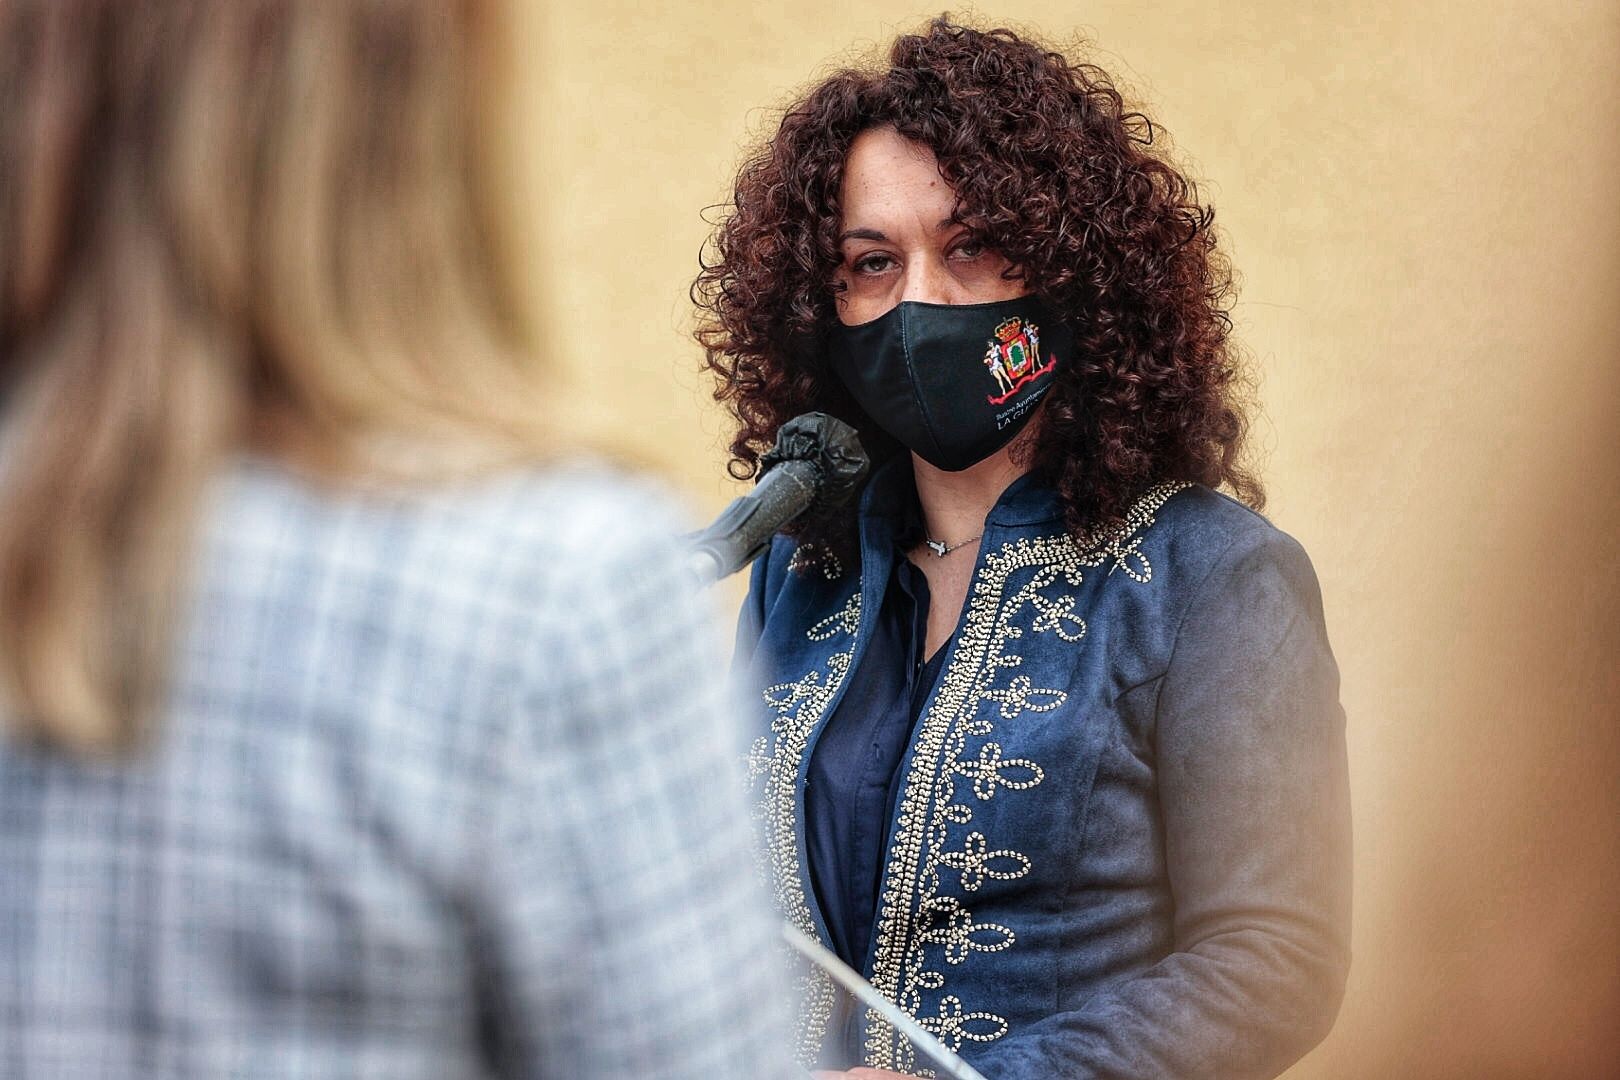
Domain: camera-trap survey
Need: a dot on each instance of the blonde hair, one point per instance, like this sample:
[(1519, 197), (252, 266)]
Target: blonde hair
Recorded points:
[(225, 225)]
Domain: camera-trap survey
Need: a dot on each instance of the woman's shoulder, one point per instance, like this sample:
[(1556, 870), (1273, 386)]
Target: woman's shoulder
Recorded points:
[(1211, 550), (1198, 526), (581, 510), (572, 502), (512, 539), (1189, 546)]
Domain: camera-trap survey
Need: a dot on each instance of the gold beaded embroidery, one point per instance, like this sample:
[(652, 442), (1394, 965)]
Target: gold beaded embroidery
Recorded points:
[(775, 759), (912, 913)]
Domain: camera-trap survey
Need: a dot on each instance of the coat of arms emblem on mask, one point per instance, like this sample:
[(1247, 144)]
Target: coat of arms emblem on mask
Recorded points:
[(1014, 358)]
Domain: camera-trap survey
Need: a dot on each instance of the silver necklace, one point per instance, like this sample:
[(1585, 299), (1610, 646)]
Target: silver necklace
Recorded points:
[(942, 549)]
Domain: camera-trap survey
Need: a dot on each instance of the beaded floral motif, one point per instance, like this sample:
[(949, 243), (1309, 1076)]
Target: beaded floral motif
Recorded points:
[(913, 911), (807, 557), (990, 771), (953, 1025), (774, 760), (975, 862)]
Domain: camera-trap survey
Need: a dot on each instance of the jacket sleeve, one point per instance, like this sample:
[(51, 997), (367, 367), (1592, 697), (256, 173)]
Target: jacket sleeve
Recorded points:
[(1253, 792)]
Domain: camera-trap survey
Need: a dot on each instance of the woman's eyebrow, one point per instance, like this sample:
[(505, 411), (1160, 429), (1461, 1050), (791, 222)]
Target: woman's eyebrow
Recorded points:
[(873, 234)]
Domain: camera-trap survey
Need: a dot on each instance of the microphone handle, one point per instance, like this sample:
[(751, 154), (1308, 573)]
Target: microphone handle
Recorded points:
[(743, 530)]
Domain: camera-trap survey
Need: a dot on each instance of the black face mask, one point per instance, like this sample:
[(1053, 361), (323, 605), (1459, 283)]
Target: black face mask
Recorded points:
[(952, 382)]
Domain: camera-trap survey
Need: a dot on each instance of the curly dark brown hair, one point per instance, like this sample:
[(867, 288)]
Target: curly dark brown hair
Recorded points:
[(1052, 169)]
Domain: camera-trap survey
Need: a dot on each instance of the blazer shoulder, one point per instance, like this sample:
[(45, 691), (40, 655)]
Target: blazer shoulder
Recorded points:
[(1202, 519), (1200, 530)]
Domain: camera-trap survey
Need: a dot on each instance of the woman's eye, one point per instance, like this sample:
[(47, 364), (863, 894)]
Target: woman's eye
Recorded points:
[(873, 264), (969, 249)]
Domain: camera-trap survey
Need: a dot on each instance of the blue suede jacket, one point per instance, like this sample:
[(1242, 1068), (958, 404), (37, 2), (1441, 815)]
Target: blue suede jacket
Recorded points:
[(1120, 845)]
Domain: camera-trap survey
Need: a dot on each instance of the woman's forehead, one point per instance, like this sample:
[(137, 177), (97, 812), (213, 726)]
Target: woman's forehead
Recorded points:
[(891, 182)]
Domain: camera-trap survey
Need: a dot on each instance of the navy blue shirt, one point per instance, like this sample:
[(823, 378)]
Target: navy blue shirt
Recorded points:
[(856, 764)]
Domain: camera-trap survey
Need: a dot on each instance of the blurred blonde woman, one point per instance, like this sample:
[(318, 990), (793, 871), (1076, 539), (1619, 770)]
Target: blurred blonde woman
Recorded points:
[(347, 730)]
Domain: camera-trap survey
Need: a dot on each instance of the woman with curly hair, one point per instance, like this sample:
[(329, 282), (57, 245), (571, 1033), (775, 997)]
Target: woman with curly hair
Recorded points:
[(1052, 750)]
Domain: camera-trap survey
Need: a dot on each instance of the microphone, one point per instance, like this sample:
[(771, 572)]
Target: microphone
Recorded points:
[(815, 465)]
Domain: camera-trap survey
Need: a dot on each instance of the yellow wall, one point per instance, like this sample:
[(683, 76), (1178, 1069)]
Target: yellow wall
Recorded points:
[(1422, 202)]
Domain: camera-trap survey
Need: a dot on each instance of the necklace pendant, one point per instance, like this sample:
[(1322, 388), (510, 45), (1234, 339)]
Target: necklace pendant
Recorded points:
[(937, 547)]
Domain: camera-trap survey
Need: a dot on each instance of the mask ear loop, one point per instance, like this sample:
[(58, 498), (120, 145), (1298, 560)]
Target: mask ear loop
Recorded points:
[(915, 382)]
